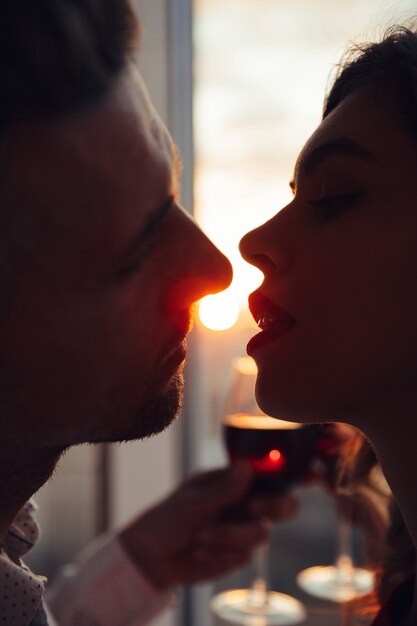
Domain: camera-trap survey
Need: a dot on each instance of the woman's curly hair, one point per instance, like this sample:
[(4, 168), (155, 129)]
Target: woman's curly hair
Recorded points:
[(391, 63)]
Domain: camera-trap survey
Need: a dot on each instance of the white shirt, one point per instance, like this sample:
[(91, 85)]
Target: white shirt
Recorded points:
[(102, 588), (21, 590)]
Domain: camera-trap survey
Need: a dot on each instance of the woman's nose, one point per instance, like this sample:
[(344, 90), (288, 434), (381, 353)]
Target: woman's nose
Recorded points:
[(262, 248)]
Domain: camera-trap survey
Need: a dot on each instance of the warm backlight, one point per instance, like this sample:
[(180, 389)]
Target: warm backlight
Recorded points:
[(245, 365), (219, 312)]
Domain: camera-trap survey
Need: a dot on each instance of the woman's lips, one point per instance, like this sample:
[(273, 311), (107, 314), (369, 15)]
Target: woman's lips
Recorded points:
[(264, 337), (272, 319)]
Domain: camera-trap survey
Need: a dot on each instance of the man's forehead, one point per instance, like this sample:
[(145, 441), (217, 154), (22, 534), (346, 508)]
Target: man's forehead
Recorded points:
[(124, 119), (126, 109), (115, 159), (131, 95)]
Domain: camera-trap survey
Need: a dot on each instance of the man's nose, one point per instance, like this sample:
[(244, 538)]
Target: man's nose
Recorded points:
[(209, 271)]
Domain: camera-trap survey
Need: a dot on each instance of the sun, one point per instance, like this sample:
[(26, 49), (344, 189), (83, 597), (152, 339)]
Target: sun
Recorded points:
[(219, 311), (224, 310)]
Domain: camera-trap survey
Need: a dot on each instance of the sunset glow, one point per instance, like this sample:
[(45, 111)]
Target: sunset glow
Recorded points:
[(219, 312)]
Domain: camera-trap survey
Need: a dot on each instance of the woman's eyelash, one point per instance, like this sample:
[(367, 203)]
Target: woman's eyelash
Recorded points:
[(335, 205)]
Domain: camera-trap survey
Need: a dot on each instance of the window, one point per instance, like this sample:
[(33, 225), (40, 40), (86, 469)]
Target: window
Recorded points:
[(261, 69)]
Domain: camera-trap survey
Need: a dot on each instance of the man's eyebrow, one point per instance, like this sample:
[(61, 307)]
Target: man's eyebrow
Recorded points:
[(342, 146)]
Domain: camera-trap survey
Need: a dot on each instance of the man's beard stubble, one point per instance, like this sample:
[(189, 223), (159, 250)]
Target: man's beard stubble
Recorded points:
[(157, 411)]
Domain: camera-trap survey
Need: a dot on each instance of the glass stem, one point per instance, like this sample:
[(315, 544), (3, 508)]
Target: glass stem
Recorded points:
[(344, 561), (260, 582)]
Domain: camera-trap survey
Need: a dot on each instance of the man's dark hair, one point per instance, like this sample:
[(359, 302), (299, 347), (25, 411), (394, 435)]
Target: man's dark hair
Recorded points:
[(57, 56), (391, 62)]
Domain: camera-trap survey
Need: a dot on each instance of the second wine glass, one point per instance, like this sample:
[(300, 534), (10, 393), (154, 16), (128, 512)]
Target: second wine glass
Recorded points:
[(280, 454), (343, 581)]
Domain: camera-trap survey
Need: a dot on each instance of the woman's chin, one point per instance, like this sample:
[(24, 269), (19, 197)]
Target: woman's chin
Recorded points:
[(292, 407)]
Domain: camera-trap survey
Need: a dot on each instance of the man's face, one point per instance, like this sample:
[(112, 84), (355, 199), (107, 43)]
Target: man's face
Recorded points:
[(93, 345)]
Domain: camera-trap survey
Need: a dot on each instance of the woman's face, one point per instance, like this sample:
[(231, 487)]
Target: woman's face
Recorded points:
[(338, 303)]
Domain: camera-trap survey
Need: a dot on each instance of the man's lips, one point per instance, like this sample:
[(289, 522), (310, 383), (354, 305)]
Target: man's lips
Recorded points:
[(182, 321), (175, 350), (172, 360), (272, 319)]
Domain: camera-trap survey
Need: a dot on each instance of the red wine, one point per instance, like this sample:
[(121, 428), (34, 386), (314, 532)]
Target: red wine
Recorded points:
[(280, 452)]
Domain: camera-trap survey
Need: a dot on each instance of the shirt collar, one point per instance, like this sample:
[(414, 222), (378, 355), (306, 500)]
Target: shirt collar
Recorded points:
[(23, 532), (21, 591)]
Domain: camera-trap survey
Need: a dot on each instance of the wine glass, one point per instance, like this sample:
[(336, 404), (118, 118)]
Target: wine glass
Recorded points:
[(280, 453), (341, 582)]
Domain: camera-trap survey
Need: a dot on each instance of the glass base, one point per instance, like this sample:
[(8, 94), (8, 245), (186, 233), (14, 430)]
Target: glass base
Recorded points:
[(331, 583), (248, 608)]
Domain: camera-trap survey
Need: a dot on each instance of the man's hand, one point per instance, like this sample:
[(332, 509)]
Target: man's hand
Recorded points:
[(205, 529)]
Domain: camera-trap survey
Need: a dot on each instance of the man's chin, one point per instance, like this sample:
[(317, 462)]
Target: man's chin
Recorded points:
[(157, 411)]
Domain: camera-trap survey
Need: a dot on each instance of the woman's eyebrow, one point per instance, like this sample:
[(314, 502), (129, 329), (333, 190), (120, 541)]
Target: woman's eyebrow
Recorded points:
[(342, 146)]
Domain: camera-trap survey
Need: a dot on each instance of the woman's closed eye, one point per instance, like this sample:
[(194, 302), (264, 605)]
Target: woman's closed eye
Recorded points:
[(333, 205)]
